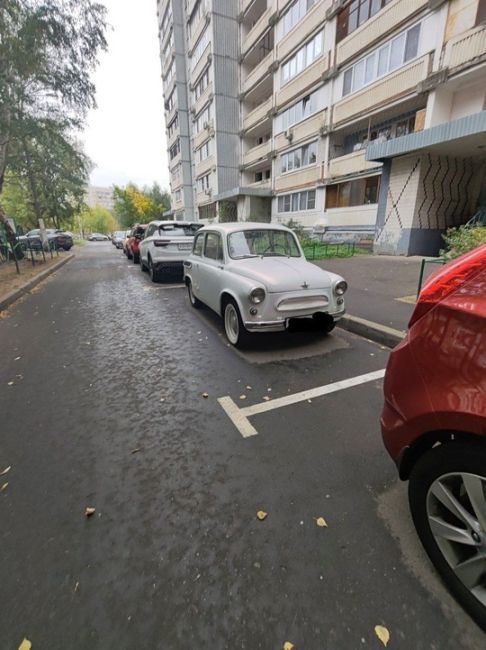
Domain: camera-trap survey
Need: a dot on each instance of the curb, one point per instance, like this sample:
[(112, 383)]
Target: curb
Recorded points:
[(11, 297), (374, 331)]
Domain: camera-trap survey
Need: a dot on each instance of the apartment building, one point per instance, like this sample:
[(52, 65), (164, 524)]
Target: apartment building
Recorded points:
[(97, 196), (343, 114)]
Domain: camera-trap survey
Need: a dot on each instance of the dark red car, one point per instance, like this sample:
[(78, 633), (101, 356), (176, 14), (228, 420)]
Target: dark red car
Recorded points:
[(434, 424), (133, 243)]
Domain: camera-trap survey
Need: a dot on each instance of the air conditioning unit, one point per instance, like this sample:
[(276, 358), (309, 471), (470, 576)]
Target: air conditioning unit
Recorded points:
[(289, 135)]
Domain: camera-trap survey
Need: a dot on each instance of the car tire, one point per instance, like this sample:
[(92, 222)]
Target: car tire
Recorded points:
[(195, 302), (136, 258), (154, 275), (444, 471), (235, 331), (143, 266)]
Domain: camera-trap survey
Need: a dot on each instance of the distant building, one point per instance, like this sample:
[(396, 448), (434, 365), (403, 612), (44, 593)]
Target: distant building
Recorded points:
[(100, 197), (342, 113)]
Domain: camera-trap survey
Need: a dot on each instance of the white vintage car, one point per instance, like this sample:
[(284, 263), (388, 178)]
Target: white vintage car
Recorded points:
[(256, 277)]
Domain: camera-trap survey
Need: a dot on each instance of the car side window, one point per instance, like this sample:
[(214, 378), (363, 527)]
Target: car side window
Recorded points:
[(198, 245), (214, 247), (149, 232)]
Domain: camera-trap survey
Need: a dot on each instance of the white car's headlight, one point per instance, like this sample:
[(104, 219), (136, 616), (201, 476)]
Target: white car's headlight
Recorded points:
[(340, 288), (257, 295)]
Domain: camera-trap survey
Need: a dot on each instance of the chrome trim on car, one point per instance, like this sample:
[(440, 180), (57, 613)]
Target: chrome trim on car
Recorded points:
[(266, 326)]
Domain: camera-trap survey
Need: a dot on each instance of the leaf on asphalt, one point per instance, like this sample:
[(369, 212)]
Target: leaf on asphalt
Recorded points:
[(17, 358), (321, 522), (6, 470), (136, 450), (266, 398), (383, 634), (89, 511), (76, 587), (249, 388), (10, 383), (4, 487), (25, 645), (288, 646), (205, 395), (261, 515), (242, 396)]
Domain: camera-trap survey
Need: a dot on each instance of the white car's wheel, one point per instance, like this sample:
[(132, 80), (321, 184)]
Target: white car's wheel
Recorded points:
[(234, 329)]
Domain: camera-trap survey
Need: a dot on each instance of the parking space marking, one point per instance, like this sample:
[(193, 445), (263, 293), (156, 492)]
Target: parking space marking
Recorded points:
[(239, 416)]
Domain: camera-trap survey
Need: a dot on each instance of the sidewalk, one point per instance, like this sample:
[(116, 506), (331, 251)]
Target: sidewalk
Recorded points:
[(382, 288)]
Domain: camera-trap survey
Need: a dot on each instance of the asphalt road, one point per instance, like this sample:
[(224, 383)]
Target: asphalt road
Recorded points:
[(102, 364)]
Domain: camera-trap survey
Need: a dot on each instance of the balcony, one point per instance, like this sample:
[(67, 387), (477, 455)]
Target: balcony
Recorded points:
[(203, 197), (173, 138), (258, 153), (302, 131), (260, 185), (301, 178), (258, 73), (259, 29), (303, 81), (204, 20), (297, 35), (376, 28), (201, 137), (203, 99), (175, 161), (466, 47), (201, 64), (205, 166), (352, 163), (257, 115), (391, 88)]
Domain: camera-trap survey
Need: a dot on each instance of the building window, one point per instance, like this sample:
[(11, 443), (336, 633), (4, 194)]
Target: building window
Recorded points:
[(203, 152), (175, 149), (197, 14), (262, 176), (301, 157), (178, 196), (295, 14), (387, 58), (305, 107), (203, 183), (361, 191), (355, 14), (166, 22), (200, 47), (297, 201), (207, 211), (202, 120), (202, 84), (170, 103), (170, 73), (303, 58), (173, 126)]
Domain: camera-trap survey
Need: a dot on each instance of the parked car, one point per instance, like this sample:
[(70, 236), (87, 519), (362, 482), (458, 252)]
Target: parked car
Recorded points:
[(125, 243), (133, 242), (257, 278), (434, 424), (96, 236), (57, 239), (118, 238), (165, 247)]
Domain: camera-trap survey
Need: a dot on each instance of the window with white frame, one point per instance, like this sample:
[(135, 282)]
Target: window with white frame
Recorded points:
[(382, 61), (175, 149), (305, 107), (170, 73), (295, 13), (303, 58), (196, 16), (301, 157), (201, 84), (203, 152), (170, 103), (203, 183), (166, 21), (173, 126), (178, 196), (297, 201), (202, 119), (200, 47)]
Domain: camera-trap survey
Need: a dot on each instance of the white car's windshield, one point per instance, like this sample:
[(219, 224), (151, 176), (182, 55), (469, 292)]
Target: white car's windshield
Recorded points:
[(265, 243)]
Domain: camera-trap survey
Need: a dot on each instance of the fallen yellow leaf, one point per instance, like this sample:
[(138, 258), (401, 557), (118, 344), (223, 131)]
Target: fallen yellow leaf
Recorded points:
[(25, 645), (6, 470), (249, 388), (383, 634), (261, 514), (288, 646), (4, 487), (242, 396), (205, 395), (320, 521), (89, 511), (266, 398)]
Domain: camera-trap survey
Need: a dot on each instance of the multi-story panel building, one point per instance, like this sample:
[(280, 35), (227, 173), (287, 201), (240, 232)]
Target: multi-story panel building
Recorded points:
[(347, 113), (97, 196)]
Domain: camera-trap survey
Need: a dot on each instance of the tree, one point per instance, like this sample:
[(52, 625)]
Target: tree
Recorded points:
[(48, 49), (133, 205), (96, 219)]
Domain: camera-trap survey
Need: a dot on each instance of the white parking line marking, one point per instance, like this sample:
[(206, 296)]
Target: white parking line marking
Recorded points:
[(239, 417)]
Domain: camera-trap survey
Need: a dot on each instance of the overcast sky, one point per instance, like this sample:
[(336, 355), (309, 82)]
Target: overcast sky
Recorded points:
[(125, 136)]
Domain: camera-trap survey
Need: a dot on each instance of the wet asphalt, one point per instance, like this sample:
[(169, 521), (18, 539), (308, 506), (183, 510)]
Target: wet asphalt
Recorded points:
[(105, 410)]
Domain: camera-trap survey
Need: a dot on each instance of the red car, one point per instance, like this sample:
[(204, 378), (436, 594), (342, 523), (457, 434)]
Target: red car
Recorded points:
[(133, 243), (434, 424)]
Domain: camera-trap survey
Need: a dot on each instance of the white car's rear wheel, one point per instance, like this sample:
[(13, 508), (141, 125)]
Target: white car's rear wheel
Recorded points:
[(234, 329), (195, 302)]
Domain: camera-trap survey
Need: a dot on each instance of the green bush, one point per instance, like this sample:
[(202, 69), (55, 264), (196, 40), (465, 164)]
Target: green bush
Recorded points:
[(461, 240)]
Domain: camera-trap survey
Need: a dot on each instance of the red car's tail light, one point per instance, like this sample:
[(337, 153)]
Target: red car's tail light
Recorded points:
[(448, 279)]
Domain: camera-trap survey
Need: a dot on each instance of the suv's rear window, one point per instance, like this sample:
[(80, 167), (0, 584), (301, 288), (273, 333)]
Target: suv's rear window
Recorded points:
[(179, 231)]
